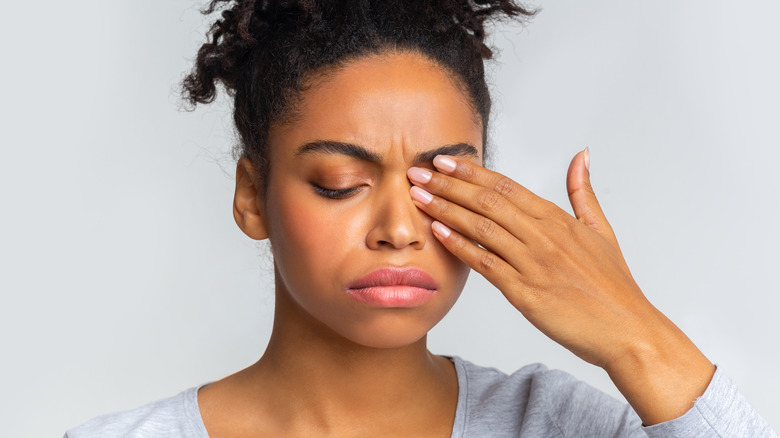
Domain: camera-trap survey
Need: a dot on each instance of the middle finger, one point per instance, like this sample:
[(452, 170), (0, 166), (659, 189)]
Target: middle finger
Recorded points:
[(479, 229), (477, 199)]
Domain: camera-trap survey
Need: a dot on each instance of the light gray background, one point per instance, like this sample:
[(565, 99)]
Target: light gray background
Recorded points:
[(124, 278)]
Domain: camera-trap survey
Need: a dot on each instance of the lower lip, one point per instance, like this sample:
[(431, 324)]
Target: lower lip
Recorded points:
[(392, 296)]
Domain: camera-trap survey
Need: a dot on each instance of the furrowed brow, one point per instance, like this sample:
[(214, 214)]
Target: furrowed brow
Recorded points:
[(337, 147), (459, 150)]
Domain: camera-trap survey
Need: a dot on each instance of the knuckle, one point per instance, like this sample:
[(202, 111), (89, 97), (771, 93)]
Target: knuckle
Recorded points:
[(466, 172), (549, 246), (570, 224), (559, 220), (533, 297), (563, 221), (534, 278), (484, 228), (444, 185), (589, 190), (550, 209), (489, 200), (487, 262), (505, 186), (459, 245), (444, 208)]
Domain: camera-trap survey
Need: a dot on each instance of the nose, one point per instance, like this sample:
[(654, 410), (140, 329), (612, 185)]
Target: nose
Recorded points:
[(396, 222)]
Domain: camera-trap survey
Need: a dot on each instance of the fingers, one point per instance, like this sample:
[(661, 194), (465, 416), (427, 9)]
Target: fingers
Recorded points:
[(481, 229), (464, 170), (473, 198), (503, 216), (494, 268), (581, 195)]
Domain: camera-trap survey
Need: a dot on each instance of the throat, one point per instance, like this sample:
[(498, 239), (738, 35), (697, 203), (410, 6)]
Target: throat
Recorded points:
[(397, 393), (352, 380)]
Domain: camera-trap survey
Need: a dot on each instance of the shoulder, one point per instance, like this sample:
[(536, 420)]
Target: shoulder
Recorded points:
[(537, 401), (176, 416)]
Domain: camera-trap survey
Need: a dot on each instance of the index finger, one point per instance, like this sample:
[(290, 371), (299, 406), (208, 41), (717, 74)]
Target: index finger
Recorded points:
[(518, 195)]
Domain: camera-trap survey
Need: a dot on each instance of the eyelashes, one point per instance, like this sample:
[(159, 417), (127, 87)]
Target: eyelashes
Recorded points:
[(335, 194)]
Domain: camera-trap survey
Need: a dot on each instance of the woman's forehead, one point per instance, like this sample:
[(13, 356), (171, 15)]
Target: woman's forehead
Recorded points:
[(381, 101)]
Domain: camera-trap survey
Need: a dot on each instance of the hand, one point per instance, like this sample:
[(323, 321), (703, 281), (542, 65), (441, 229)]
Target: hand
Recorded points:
[(566, 275)]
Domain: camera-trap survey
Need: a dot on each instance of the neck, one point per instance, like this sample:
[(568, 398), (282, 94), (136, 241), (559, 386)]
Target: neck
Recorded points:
[(328, 378), (312, 381), (309, 356)]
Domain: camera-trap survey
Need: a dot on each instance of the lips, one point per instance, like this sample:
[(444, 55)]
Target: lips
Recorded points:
[(394, 287)]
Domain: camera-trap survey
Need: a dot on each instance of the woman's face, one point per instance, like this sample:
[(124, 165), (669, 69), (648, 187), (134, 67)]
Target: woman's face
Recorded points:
[(350, 248)]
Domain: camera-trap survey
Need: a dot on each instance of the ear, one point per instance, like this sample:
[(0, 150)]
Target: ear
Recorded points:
[(248, 202)]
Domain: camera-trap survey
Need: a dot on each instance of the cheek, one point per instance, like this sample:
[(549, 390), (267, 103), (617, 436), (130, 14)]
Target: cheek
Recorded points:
[(309, 236), (301, 227), (458, 272)]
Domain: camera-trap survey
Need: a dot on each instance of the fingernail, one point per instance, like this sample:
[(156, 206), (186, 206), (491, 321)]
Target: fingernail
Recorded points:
[(441, 229), (421, 195), (444, 164), (587, 158), (419, 175)]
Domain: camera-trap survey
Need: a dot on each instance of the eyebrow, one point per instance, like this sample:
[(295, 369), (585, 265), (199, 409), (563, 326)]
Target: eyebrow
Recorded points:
[(361, 153)]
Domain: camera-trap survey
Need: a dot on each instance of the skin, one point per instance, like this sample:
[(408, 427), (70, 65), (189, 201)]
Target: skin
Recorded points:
[(568, 277), (335, 367)]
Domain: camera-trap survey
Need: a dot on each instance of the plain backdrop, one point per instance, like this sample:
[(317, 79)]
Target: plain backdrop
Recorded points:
[(125, 280)]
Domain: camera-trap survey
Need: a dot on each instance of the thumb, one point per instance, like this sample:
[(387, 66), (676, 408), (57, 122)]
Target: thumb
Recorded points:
[(583, 199)]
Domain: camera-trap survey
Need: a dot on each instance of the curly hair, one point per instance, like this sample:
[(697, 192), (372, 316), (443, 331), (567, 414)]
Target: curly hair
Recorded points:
[(261, 51)]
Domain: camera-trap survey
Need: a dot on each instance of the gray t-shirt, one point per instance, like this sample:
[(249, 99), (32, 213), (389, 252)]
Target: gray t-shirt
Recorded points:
[(532, 402)]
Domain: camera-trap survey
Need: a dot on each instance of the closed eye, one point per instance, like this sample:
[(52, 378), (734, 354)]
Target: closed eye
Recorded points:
[(335, 194)]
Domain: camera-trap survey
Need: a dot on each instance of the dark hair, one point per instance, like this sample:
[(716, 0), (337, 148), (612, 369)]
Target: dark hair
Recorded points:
[(261, 51)]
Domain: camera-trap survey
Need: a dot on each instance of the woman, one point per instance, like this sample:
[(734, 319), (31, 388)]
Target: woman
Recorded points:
[(363, 130)]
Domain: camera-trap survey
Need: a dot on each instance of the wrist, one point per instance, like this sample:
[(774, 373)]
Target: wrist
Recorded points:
[(661, 375)]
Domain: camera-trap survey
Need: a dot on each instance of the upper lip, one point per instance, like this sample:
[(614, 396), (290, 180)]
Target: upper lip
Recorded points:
[(395, 277)]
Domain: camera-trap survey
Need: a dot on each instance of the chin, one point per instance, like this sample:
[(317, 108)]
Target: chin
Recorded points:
[(386, 340), (388, 331)]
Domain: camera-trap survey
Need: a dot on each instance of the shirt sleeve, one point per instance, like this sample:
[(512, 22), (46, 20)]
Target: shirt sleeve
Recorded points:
[(720, 412)]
